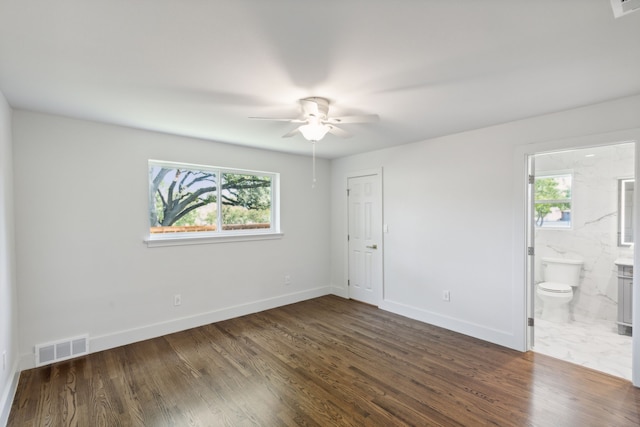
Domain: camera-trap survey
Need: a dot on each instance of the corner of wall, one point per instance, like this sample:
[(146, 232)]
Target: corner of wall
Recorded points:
[(339, 291), (8, 395), (9, 334)]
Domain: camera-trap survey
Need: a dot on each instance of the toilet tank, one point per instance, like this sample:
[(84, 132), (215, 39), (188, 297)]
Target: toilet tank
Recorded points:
[(561, 270)]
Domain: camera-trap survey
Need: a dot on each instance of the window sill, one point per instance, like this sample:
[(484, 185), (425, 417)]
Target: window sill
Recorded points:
[(182, 239)]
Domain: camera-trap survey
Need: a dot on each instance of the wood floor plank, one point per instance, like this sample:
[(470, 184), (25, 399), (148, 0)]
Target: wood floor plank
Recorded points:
[(326, 361)]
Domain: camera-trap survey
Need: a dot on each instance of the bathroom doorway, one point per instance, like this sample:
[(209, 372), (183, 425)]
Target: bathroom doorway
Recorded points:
[(580, 203)]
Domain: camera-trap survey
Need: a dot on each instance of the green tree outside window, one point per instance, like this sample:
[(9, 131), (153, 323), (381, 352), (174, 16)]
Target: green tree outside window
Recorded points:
[(553, 195), (185, 198)]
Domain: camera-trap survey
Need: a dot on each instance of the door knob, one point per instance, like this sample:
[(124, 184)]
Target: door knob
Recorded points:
[(374, 246)]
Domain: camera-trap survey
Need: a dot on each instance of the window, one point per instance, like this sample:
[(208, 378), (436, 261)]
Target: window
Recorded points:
[(553, 200), (187, 201)]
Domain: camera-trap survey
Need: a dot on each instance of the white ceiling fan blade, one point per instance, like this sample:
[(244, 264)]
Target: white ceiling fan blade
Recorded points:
[(365, 118), (338, 132), (291, 133), (271, 119), (315, 122), (276, 119)]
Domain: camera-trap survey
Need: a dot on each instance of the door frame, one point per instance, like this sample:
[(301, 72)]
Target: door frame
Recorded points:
[(356, 174), (531, 246), (523, 295)]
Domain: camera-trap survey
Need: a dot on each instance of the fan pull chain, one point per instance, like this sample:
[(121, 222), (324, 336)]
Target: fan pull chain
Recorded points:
[(313, 145)]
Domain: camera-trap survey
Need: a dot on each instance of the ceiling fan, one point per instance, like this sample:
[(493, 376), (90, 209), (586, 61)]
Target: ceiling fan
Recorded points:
[(315, 121)]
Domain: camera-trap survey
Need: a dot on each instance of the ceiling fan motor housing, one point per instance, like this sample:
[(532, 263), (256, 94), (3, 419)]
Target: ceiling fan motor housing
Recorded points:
[(316, 107)]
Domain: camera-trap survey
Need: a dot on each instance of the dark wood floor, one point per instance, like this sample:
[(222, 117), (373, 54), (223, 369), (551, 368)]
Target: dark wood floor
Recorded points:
[(323, 362)]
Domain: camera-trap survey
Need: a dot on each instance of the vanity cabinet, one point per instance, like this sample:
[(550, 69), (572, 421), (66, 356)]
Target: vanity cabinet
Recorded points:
[(625, 293)]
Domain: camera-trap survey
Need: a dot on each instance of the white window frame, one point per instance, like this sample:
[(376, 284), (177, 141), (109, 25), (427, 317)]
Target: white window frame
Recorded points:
[(220, 235), (553, 174)]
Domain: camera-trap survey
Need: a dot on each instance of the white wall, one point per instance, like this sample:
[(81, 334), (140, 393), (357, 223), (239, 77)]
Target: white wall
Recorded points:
[(454, 206), (8, 288), (81, 216), (455, 211)]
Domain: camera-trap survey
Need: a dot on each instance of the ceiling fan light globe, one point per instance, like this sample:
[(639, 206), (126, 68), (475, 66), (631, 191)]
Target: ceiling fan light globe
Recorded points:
[(313, 132)]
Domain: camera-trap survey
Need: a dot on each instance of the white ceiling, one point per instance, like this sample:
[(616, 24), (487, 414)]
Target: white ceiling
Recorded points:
[(426, 67)]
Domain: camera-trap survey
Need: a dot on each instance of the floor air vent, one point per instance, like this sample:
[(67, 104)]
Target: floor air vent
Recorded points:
[(61, 350)]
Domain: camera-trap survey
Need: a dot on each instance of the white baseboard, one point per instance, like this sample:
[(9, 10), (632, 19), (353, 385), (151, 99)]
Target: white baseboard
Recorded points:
[(340, 291), (120, 338), (8, 395), (494, 336)]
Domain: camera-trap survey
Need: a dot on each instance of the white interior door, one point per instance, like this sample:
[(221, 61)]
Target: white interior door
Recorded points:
[(365, 238)]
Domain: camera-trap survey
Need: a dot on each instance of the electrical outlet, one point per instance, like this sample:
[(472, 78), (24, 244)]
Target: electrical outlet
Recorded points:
[(177, 300), (287, 280), (446, 296)]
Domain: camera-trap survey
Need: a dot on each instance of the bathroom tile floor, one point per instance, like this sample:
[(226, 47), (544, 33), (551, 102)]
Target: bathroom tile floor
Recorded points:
[(589, 343)]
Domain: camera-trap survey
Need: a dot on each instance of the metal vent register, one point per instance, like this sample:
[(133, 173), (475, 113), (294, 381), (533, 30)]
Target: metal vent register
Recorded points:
[(61, 350)]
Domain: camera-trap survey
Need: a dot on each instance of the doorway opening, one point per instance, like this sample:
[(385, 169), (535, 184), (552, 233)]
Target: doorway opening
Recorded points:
[(580, 262)]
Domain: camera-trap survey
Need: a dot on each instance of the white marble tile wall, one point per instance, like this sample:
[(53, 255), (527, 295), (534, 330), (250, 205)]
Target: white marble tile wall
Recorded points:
[(593, 237)]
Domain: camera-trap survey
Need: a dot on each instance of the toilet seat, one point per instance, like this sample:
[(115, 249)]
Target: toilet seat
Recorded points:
[(556, 288), (556, 299)]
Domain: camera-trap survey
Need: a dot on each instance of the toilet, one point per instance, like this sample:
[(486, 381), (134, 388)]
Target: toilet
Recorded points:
[(560, 276)]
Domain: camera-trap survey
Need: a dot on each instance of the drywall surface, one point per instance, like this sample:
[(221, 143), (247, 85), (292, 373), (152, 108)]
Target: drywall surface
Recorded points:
[(454, 207), (82, 214), (8, 287)]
